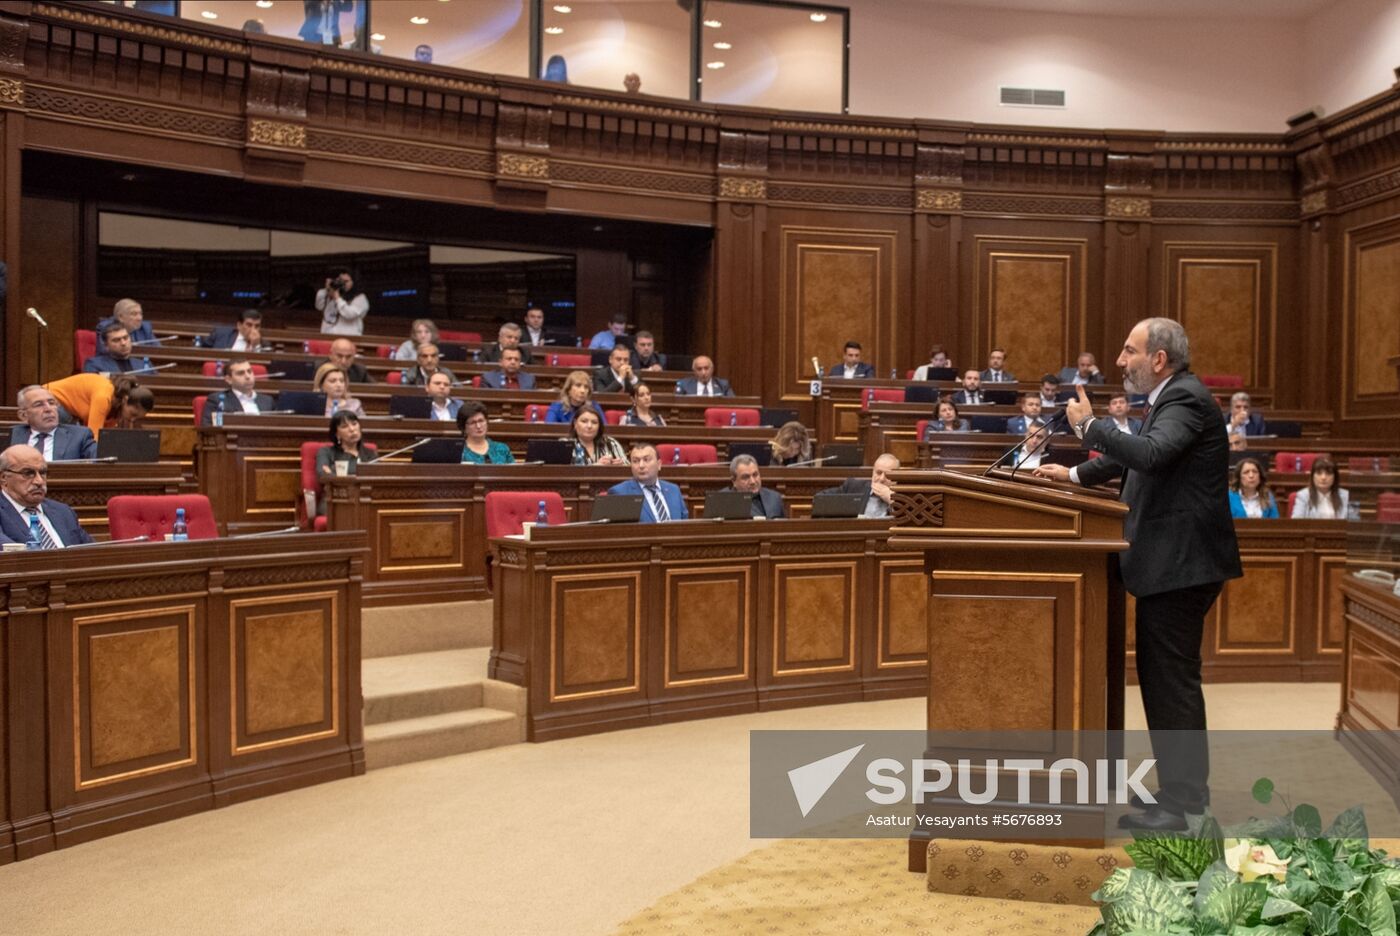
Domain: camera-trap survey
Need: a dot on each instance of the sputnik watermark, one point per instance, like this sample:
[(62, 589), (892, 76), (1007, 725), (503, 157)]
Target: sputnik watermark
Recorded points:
[(1091, 780)]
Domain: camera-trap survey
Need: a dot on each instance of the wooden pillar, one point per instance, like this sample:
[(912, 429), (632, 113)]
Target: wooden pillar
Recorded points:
[(744, 335), (1127, 240), (936, 271)]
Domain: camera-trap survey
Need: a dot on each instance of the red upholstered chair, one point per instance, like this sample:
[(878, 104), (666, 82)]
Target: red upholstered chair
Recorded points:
[(909, 375), (718, 416), (692, 454), (506, 511), (215, 369), (446, 335), (881, 395), (919, 428), (395, 377), (152, 515), (535, 412), (1288, 461), (310, 488), (199, 402), (570, 360), (1368, 463), (384, 351), (318, 346), (84, 346), (1292, 496), (1222, 380), (476, 381), (614, 416), (1388, 507)]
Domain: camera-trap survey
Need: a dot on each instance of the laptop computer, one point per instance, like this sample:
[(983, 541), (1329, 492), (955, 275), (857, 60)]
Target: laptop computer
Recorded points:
[(988, 423), (129, 445), (999, 397), (411, 407), (298, 370), (728, 505), (775, 418), (550, 451), (843, 455), (302, 403), (921, 393), (838, 505), (761, 452), (618, 508), (439, 452), (452, 351), (942, 373)]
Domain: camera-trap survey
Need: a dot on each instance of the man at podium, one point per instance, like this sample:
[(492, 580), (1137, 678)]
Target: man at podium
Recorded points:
[(1181, 548)]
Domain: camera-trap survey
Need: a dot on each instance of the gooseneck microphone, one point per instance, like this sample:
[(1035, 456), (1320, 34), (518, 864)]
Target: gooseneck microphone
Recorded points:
[(1045, 429)]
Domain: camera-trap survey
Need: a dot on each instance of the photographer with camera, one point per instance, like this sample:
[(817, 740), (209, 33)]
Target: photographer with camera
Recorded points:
[(343, 307)]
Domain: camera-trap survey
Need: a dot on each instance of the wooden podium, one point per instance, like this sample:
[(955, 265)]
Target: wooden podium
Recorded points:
[(1025, 612)]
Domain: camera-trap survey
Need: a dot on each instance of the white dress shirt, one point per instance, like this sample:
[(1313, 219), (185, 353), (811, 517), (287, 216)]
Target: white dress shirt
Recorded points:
[(705, 389), (442, 412), (43, 519), (249, 401), (1151, 401), (536, 337), (48, 443), (1122, 425), (239, 344), (339, 317)]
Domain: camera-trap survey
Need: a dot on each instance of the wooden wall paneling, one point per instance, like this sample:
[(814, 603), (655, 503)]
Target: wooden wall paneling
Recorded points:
[(19, 329), (50, 248), (29, 770), (935, 286), (1371, 322), (7, 835)]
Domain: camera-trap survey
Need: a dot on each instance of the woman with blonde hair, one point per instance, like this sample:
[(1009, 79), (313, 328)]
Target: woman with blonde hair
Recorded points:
[(422, 331), (575, 396), (334, 382), (793, 443)]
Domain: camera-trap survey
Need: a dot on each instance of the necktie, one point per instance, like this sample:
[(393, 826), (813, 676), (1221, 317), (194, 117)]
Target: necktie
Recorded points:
[(45, 540), (1146, 411), (40, 440), (705, 389), (658, 503)]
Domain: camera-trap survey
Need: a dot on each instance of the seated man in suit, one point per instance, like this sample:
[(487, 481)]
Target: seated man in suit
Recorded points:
[(661, 500), (1085, 371), (604, 340), (704, 382), (851, 365), (971, 392), (1242, 420), (1118, 415), (114, 356), (42, 430), (244, 336), (996, 371), (128, 312), (533, 333), (510, 376), (241, 396), (616, 376), (878, 489), (428, 364), (937, 359), (507, 336), (24, 482), (744, 476), (1030, 415), (343, 354), (439, 390), (644, 355), (1049, 392)]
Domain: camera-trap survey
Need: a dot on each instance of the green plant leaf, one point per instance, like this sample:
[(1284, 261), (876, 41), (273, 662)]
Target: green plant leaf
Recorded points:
[(1295, 927), (1114, 886), (1239, 904), (1350, 826), (1325, 919), (1134, 899), (1351, 926), (1375, 909), (1128, 917), (1326, 871), (1263, 791), (1216, 878), (1301, 888), (1174, 857), (1389, 875), (1308, 821), (1276, 907)]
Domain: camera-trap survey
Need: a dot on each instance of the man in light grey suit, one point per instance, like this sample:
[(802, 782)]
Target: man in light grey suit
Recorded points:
[(40, 429)]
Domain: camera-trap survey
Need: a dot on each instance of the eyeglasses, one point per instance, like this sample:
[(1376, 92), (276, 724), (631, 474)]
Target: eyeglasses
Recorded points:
[(28, 474)]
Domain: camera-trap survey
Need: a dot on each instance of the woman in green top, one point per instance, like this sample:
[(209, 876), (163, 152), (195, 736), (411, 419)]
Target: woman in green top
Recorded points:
[(477, 449)]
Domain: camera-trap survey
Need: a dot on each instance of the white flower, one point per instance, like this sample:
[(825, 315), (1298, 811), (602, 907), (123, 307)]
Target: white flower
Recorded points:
[(1252, 861)]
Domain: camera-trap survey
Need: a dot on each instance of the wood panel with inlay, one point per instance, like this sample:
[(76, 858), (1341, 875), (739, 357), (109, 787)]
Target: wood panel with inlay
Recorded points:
[(413, 540), (903, 615), (814, 621), (709, 626), (595, 637), (1226, 294), (285, 663), (1029, 298), (1371, 332), (1258, 613)]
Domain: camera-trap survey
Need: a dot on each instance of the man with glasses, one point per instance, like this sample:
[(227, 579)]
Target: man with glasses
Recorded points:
[(24, 488), (42, 430)]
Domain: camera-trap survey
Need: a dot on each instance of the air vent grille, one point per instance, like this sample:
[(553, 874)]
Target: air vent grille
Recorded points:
[(1032, 97)]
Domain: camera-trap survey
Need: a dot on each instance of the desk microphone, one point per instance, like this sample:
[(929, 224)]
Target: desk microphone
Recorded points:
[(150, 370), (34, 314), (290, 529), (810, 461), (528, 464), (1043, 429), (273, 376), (274, 412), (135, 539), (88, 461), (409, 447)]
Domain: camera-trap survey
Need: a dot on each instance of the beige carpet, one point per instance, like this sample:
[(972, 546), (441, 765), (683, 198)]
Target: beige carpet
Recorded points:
[(571, 837)]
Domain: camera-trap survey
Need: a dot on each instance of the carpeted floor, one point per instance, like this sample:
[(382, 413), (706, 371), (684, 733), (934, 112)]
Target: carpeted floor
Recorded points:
[(571, 837)]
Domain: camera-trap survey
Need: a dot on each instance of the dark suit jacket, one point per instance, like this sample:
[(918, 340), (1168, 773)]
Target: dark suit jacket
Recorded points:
[(1175, 479), (769, 504), (413, 377), (222, 336), (1254, 426), (688, 386), (496, 380), (69, 442), (605, 382), (492, 353), (358, 373), (231, 405), (144, 333), (1006, 377), (656, 358), (1067, 375), (960, 398), (863, 370), (60, 515), (106, 364)]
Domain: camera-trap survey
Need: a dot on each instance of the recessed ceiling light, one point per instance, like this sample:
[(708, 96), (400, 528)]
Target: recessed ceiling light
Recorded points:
[(554, 30), (265, 4), (818, 17), (723, 45), (713, 24), (563, 8), (209, 14), (418, 20), (377, 37), (714, 65)]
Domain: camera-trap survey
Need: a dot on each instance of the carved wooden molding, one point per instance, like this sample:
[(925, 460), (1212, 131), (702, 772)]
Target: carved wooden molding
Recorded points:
[(753, 189), (126, 588), (635, 110), (946, 200), (743, 152), (569, 557), (106, 110), (12, 91), (276, 133), (1126, 207), (521, 166), (1219, 146), (1369, 188), (285, 575), (1314, 202), (398, 76), (858, 130), (145, 30), (1026, 139), (1214, 210), (839, 195), (939, 165), (917, 509), (1009, 202), (1367, 615)]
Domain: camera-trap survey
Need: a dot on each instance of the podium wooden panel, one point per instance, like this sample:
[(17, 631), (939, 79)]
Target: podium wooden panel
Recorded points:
[(1025, 611), (143, 682)]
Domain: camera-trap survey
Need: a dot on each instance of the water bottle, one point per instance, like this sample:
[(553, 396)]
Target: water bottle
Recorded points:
[(1353, 511), (180, 531), (34, 537), (869, 397), (894, 373), (678, 387), (676, 456), (219, 412), (542, 518), (1298, 463), (554, 360), (476, 355), (733, 418), (218, 368), (1376, 465), (578, 342), (534, 415), (335, 407), (306, 347)]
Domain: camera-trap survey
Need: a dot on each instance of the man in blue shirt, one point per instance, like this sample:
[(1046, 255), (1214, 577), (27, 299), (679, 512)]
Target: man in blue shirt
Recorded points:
[(604, 340), (661, 500)]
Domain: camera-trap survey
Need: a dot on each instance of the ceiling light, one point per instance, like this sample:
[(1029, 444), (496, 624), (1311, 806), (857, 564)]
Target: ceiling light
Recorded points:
[(818, 17), (723, 45), (554, 30), (715, 65), (418, 20), (713, 24), (265, 4), (209, 14), (562, 8), (377, 37)]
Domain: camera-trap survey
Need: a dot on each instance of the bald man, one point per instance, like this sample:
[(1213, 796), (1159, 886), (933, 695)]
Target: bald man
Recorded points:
[(878, 489), (343, 354), (25, 511), (703, 382)]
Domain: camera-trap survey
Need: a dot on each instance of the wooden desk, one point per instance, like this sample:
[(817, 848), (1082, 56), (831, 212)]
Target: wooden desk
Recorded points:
[(427, 523), (1368, 723), (143, 682), (648, 623)]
